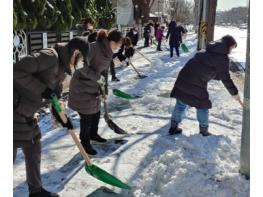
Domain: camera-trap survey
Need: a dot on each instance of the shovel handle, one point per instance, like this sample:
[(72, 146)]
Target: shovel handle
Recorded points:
[(143, 55), (75, 139), (134, 68), (105, 108), (79, 145), (63, 117), (241, 103)]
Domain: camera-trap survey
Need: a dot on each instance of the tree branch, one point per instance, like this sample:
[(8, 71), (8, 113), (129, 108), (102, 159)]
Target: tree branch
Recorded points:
[(151, 4)]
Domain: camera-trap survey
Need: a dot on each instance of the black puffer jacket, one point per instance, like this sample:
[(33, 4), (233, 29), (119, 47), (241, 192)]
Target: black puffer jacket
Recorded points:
[(134, 37), (191, 84), (175, 34)]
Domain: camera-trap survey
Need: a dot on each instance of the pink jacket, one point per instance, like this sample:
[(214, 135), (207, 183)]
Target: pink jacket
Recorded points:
[(159, 35)]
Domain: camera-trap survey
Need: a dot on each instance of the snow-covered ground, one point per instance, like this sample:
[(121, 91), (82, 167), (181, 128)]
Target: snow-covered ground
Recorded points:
[(156, 164)]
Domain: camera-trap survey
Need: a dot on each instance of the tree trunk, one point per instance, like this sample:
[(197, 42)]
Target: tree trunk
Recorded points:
[(144, 7), (206, 22), (146, 13), (211, 20)]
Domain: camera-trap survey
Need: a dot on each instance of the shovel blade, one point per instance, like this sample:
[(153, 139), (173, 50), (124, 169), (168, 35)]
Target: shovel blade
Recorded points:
[(105, 177), (184, 47), (142, 76), (114, 126), (121, 94)]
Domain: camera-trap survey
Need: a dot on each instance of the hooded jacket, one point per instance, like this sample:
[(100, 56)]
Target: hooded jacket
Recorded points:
[(175, 33), (191, 84), (32, 75)]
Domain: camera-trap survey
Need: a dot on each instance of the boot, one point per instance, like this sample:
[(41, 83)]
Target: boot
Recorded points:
[(99, 139), (43, 193), (89, 149), (204, 131), (174, 128)]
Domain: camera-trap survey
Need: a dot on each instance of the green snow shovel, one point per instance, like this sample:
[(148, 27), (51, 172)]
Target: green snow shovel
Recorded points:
[(124, 95), (109, 121), (107, 116), (90, 168), (184, 47)]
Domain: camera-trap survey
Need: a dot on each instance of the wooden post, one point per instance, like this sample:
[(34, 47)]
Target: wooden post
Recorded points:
[(202, 24), (211, 20), (245, 139), (207, 13)]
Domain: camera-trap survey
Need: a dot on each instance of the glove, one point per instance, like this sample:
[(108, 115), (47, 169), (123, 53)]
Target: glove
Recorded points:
[(68, 125), (48, 92)]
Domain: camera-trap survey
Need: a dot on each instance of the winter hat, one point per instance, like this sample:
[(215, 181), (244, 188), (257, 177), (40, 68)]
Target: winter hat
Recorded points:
[(229, 40)]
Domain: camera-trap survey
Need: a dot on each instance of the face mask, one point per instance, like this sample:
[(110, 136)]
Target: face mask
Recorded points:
[(115, 50)]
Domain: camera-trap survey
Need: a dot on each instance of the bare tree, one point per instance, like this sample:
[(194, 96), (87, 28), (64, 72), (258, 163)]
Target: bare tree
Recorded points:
[(235, 16), (182, 10), (144, 6)]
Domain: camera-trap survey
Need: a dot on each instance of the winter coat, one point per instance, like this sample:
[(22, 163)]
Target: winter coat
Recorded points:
[(134, 37), (119, 54), (129, 52), (159, 35), (175, 33), (191, 84), (147, 31), (92, 37), (155, 28), (32, 75), (84, 88)]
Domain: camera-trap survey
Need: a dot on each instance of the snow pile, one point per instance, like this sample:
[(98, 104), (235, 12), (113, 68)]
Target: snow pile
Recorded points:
[(195, 166)]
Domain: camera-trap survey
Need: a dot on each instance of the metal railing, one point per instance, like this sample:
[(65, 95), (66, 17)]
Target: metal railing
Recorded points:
[(25, 43)]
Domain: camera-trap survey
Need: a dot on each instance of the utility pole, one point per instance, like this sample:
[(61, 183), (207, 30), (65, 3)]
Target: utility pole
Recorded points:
[(245, 139), (207, 13)]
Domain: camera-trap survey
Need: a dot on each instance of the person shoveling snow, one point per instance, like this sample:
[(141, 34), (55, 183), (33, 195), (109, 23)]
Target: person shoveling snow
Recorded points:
[(190, 88)]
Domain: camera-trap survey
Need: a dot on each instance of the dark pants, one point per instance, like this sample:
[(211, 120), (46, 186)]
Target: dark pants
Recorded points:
[(88, 127), (146, 41), (176, 49), (32, 153), (159, 45), (112, 69)]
